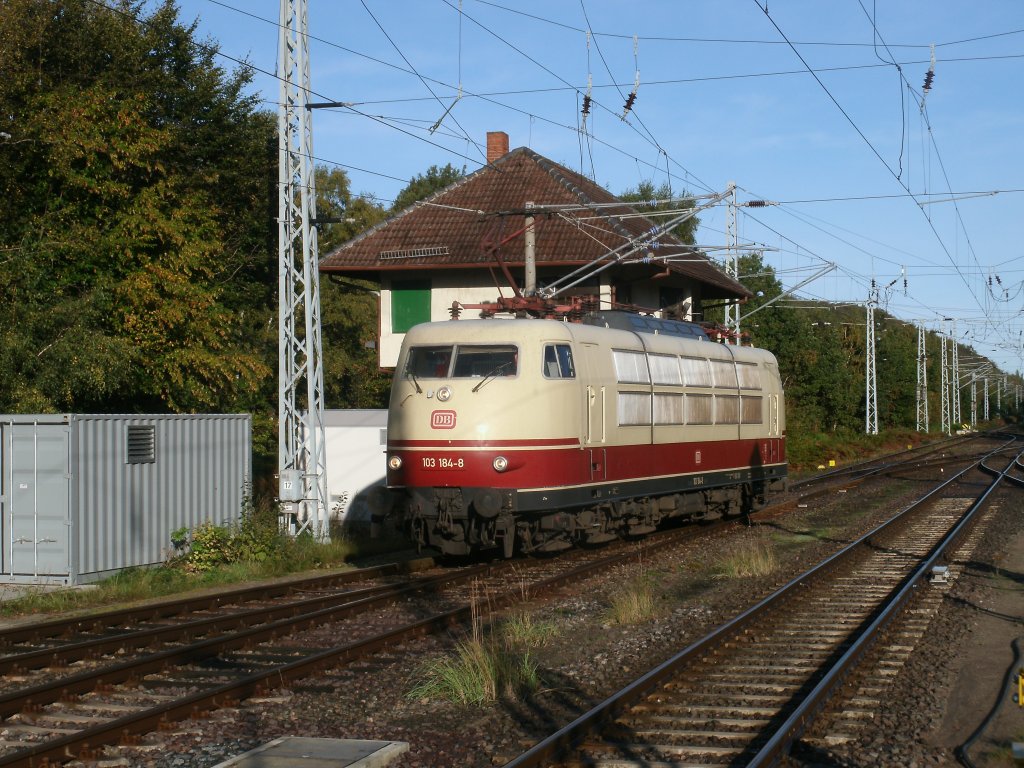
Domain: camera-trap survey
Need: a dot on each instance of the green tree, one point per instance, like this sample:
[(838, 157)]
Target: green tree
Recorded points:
[(343, 214), (422, 186), (348, 307), (645, 192), (896, 372), (134, 256)]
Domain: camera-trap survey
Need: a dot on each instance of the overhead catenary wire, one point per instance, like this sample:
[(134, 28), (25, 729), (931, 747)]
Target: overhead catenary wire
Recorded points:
[(603, 142)]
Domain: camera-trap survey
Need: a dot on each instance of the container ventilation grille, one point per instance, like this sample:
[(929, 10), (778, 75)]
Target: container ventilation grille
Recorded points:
[(141, 444)]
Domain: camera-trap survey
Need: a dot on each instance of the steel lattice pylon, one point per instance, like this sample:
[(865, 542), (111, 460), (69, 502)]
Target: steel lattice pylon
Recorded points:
[(301, 449), (945, 387), (922, 381), (954, 402), (871, 388), (732, 309)]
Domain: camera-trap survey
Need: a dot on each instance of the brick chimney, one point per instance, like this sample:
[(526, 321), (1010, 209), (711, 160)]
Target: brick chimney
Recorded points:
[(497, 145)]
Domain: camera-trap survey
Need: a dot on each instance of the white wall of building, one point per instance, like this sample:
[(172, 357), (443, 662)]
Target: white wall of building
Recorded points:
[(355, 442), (462, 286)]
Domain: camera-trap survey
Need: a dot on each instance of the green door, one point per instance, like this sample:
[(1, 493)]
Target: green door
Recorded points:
[(410, 304)]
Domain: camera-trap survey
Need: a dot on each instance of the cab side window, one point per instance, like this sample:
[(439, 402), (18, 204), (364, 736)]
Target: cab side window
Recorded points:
[(558, 362)]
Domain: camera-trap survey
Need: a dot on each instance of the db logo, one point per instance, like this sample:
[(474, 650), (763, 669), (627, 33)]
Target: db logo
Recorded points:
[(442, 420)]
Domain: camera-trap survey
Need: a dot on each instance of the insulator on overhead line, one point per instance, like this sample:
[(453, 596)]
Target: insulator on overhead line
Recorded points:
[(630, 101), (928, 78), (586, 105)]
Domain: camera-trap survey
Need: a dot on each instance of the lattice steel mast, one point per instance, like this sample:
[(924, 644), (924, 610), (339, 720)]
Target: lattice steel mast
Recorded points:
[(954, 402), (870, 386), (922, 381), (945, 386), (301, 455), (732, 309)]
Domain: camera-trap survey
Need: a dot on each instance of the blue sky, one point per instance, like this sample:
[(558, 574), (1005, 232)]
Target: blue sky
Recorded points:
[(814, 104)]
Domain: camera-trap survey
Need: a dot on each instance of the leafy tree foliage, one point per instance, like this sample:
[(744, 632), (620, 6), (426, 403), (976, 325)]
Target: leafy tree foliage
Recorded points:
[(348, 307), (422, 186), (645, 192), (135, 250), (822, 359), (817, 354)]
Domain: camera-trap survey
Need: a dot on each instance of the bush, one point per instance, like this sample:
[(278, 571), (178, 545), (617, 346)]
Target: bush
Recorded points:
[(211, 547)]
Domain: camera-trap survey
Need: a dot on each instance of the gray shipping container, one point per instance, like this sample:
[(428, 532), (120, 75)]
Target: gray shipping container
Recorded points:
[(84, 496)]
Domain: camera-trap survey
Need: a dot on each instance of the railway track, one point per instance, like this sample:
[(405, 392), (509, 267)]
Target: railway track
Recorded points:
[(72, 687), (744, 694)]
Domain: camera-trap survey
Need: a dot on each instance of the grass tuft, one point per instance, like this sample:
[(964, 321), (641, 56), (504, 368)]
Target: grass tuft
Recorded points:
[(495, 662), (635, 601), (751, 553)]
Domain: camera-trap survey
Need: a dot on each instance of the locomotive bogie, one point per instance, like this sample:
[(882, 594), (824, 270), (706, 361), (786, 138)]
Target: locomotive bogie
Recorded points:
[(540, 434)]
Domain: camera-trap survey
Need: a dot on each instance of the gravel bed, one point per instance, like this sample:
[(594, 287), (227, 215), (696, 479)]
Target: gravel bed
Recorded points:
[(588, 658), (954, 675)]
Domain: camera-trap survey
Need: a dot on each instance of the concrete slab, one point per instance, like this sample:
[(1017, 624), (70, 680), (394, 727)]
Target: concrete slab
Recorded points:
[(319, 753)]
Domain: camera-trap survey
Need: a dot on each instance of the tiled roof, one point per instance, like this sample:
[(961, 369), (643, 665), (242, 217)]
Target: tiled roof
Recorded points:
[(458, 227)]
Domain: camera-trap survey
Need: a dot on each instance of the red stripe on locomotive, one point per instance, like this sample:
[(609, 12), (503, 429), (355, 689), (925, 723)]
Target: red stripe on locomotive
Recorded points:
[(568, 467)]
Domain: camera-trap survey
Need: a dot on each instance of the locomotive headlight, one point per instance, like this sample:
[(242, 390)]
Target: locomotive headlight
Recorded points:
[(500, 463), (395, 462), (444, 394)]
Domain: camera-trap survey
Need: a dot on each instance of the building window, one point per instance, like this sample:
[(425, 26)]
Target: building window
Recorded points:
[(410, 304)]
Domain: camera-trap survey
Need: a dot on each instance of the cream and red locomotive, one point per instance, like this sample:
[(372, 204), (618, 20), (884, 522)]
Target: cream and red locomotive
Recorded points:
[(533, 435)]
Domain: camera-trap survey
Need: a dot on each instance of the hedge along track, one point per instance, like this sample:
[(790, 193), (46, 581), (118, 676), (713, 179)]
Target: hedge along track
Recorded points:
[(62, 714), (744, 693)]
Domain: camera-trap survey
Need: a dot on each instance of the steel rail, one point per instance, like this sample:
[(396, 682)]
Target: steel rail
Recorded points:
[(566, 739), (864, 466), (354, 600), (92, 622), (781, 742), (80, 744)]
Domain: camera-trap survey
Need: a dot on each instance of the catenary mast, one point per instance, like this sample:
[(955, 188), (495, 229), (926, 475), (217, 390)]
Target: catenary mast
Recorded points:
[(870, 385), (922, 380), (301, 449)]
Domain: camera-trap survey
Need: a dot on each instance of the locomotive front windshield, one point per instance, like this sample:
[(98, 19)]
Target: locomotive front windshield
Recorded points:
[(462, 361)]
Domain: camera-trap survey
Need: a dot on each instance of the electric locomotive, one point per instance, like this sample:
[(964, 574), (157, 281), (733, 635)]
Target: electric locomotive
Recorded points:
[(535, 435)]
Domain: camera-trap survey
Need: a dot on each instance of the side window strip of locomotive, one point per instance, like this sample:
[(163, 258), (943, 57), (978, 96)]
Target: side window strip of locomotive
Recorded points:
[(696, 372), (750, 375), (631, 367), (558, 362), (665, 369), (725, 373), (751, 409)]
